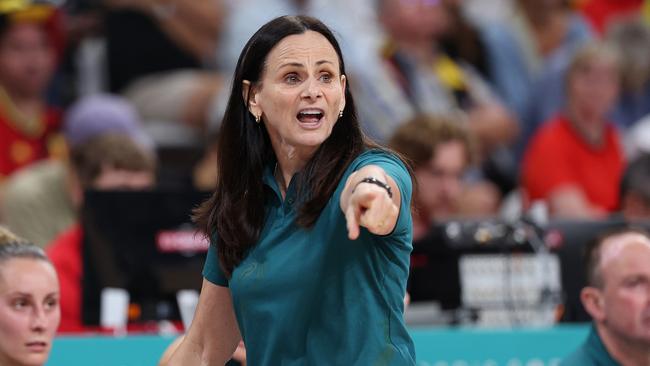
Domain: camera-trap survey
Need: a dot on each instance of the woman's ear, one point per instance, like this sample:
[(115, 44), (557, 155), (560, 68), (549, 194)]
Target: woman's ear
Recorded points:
[(592, 300), (249, 94)]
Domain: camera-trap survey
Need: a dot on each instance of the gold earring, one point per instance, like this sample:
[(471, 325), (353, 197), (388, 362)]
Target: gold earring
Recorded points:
[(257, 119), (341, 113)]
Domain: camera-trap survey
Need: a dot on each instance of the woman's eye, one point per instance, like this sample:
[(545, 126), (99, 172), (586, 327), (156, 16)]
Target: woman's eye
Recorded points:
[(327, 78), (19, 304), (292, 79), (51, 303)]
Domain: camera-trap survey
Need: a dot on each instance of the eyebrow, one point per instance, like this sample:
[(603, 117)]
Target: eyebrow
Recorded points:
[(298, 64)]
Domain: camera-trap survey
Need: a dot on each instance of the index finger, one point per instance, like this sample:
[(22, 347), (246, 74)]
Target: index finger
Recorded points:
[(352, 222)]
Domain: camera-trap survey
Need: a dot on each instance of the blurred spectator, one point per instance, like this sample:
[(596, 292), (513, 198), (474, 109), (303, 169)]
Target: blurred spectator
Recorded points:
[(575, 161), (539, 36), (617, 297), (27, 61), (632, 41), (174, 42), (29, 302), (415, 76), (463, 41), (441, 151), (106, 162), (635, 189), (42, 200)]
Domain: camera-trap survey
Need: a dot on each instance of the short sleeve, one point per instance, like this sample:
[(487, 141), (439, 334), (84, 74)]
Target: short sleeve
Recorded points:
[(395, 168), (211, 269)]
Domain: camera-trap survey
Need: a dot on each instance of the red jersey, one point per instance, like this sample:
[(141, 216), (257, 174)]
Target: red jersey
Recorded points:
[(558, 156), (21, 145)]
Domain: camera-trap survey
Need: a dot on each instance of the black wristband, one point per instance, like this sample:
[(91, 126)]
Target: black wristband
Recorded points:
[(377, 182)]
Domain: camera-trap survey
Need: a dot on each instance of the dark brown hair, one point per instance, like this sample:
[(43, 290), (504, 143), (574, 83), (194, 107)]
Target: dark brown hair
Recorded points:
[(116, 151), (418, 138)]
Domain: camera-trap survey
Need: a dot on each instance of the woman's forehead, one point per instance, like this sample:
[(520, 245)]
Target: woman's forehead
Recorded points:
[(310, 47), (26, 275)]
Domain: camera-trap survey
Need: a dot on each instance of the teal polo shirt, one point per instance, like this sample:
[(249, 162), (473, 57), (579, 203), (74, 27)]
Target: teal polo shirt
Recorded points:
[(591, 353), (314, 297)]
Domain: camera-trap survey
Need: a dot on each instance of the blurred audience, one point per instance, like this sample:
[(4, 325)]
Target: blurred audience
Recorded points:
[(617, 296), (575, 161), (538, 37), (160, 55), (632, 41), (29, 302), (27, 60), (42, 200), (106, 162), (441, 151), (415, 76), (635, 189)]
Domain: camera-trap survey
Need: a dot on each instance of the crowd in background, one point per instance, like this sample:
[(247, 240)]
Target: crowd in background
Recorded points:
[(499, 105)]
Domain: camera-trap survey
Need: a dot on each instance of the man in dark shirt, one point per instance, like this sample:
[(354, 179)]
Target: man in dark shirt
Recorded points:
[(617, 297)]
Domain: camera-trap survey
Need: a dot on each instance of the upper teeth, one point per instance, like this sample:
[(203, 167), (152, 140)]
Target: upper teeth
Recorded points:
[(310, 112)]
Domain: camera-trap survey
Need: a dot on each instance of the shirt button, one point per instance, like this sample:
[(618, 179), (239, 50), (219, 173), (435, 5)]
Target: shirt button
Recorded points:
[(290, 200)]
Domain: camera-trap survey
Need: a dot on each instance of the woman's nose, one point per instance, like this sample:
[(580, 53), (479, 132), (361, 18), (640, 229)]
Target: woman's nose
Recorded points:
[(39, 320), (312, 90)]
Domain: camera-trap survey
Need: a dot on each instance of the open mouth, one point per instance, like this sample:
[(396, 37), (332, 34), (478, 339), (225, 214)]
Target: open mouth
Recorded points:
[(310, 115)]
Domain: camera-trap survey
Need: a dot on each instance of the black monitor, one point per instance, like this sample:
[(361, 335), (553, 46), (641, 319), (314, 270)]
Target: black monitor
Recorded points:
[(143, 242)]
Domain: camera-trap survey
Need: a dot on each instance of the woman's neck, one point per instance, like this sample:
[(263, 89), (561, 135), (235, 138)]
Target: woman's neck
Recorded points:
[(290, 161)]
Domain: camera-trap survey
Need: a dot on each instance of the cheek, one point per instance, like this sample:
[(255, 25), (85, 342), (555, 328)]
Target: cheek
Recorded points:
[(278, 107), (626, 307), (12, 328)]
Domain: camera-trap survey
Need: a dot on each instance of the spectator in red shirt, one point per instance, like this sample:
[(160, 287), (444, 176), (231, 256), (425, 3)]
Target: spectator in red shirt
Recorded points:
[(27, 62), (575, 161)]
